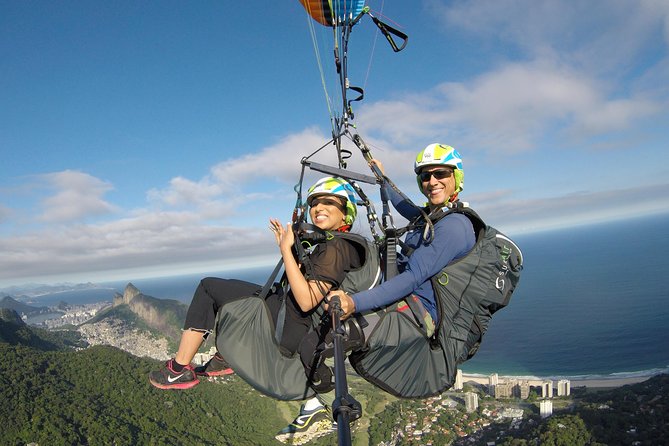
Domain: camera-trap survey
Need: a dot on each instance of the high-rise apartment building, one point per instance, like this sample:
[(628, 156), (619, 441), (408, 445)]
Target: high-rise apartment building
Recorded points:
[(493, 380), (546, 408), (458, 380), (564, 387), (523, 390), (547, 389), (504, 390), (471, 401)]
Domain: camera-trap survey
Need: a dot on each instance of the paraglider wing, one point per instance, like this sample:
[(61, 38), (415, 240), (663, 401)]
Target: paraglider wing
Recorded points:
[(332, 12)]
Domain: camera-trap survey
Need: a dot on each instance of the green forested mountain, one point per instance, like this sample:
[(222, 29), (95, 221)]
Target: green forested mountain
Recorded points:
[(54, 394), (14, 331), (101, 396), (13, 304)]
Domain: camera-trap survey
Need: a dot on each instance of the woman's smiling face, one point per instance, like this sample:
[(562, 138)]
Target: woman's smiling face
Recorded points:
[(327, 211)]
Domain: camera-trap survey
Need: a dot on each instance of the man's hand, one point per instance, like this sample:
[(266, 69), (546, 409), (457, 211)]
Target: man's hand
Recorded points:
[(347, 304)]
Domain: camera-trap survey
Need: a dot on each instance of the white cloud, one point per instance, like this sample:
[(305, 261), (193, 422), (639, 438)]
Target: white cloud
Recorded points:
[(184, 191), (580, 67), (514, 105), (600, 34), (280, 161), (142, 241), (509, 213), (234, 182), (5, 213), (77, 196)]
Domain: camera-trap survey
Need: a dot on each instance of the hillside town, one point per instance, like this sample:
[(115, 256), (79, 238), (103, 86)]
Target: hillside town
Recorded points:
[(487, 401)]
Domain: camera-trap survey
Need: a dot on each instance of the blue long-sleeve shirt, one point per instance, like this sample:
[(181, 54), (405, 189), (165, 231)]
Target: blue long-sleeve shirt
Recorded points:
[(453, 238)]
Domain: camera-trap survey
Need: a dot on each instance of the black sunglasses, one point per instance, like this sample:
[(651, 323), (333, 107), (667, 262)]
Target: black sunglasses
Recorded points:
[(328, 201), (439, 174)]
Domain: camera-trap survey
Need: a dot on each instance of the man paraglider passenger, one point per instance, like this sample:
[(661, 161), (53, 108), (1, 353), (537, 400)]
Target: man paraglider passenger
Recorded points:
[(440, 178)]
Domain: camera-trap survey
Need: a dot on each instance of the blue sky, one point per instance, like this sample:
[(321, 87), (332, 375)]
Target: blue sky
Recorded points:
[(150, 138)]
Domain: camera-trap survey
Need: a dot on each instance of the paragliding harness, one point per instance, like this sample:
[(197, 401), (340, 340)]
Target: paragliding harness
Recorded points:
[(468, 292), (318, 344), (251, 341)]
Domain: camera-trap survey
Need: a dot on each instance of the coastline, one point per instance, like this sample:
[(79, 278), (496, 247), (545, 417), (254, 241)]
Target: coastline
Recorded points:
[(596, 382), (609, 382)]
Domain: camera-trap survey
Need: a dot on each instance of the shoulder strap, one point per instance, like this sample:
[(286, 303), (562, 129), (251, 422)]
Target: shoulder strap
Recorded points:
[(271, 280)]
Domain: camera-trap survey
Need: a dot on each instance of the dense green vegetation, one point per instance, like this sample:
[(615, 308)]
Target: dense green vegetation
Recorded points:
[(101, 396), (57, 393), (14, 331)]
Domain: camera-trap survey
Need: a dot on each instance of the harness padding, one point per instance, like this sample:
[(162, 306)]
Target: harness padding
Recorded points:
[(245, 338)]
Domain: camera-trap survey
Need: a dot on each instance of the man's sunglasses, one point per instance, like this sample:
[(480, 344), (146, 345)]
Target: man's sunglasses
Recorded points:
[(439, 174)]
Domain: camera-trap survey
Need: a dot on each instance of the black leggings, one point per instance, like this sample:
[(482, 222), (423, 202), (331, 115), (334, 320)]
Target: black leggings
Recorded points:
[(212, 293)]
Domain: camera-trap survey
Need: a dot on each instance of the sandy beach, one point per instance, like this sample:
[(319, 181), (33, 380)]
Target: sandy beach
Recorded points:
[(609, 382)]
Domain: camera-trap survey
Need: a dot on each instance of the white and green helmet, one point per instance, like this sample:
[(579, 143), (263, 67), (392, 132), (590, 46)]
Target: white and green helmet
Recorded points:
[(340, 187), (441, 155)]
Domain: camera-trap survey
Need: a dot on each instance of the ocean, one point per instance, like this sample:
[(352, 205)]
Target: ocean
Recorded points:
[(591, 303)]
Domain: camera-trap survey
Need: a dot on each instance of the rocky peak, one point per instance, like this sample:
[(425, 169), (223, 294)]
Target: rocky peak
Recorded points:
[(129, 294), (157, 313)]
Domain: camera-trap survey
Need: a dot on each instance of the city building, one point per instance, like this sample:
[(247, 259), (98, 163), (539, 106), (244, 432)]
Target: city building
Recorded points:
[(458, 380), (503, 390), (523, 390), (471, 401), (493, 380), (546, 408), (564, 387), (547, 389)]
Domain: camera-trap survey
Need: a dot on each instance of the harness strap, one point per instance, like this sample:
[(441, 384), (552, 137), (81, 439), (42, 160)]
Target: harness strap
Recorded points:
[(270, 281), (423, 318), (280, 321), (390, 253)]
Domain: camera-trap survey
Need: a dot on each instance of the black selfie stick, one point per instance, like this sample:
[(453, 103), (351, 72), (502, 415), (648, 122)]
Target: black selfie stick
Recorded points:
[(345, 408)]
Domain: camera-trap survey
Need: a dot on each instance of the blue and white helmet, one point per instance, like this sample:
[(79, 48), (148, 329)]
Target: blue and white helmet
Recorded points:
[(441, 155), (340, 187)]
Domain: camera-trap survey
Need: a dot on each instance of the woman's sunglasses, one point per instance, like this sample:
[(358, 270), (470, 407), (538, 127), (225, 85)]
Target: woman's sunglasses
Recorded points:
[(439, 174), (328, 201)]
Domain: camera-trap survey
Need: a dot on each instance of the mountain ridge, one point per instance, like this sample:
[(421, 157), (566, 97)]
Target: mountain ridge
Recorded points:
[(10, 303), (162, 318)]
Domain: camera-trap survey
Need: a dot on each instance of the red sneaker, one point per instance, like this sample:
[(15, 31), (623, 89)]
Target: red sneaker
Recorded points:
[(216, 366), (167, 378)]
